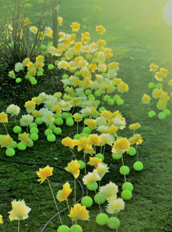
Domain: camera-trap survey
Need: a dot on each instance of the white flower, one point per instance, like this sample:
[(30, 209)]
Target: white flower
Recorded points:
[(79, 91), (48, 117), (86, 104), (106, 138), (73, 65), (115, 206), (102, 169), (42, 111), (101, 57), (102, 129), (63, 64), (52, 50), (66, 106), (101, 121), (66, 82), (18, 67), (119, 123), (109, 191), (43, 96), (26, 120), (91, 177), (93, 85), (13, 109), (111, 73), (69, 55)]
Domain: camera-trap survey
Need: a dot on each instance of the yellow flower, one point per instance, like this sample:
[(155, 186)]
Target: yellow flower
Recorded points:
[(94, 139), (165, 71), (101, 42), (121, 145), (112, 130), (78, 46), (73, 167), (159, 76), (134, 126), (146, 99), (85, 37), (79, 212), (5, 141), (41, 35), (75, 26), (1, 221), (77, 117), (106, 114), (12, 74), (63, 64), (30, 106), (157, 93), (109, 191), (10, 28), (32, 71), (57, 95), (26, 61), (82, 143), (94, 161), (113, 65), (101, 29), (26, 21), (68, 142), (136, 138), (39, 65), (122, 87), (153, 67), (102, 169), (161, 105), (164, 96), (170, 82), (89, 150), (91, 177), (56, 108), (63, 194), (106, 138), (102, 67), (37, 100), (19, 210), (93, 47), (60, 19), (92, 67), (13, 110), (110, 88), (91, 123), (119, 123), (3, 117), (117, 81), (103, 87), (40, 58), (36, 113), (44, 173), (76, 101), (115, 206), (24, 138)]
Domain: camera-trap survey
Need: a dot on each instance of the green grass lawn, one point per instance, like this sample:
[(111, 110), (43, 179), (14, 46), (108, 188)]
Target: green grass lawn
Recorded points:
[(150, 207)]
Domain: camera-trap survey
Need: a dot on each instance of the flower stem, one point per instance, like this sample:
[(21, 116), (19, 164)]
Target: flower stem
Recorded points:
[(15, 120), (54, 201), (75, 189), (98, 203), (137, 153), (95, 149), (104, 149), (124, 172), (116, 224), (68, 208), (85, 174), (18, 225), (73, 154), (77, 127), (5, 128)]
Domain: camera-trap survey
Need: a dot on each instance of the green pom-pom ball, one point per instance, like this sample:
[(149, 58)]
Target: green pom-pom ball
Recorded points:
[(99, 199), (148, 47), (97, 93), (30, 144), (124, 169), (151, 114), (32, 125), (92, 187), (161, 115), (47, 132), (128, 186), (58, 121), (126, 194), (116, 97), (69, 121), (18, 80), (120, 102), (34, 130), (113, 223), (77, 136), (106, 97), (102, 219), (34, 136), (17, 129), (75, 228), (57, 131), (167, 112), (87, 201), (101, 109), (63, 228), (82, 164), (65, 115), (65, 76), (21, 146), (100, 156), (131, 151), (116, 156), (84, 27), (10, 152), (13, 144), (151, 85), (51, 138), (86, 130), (138, 166), (39, 121), (50, 66), (84, 20)]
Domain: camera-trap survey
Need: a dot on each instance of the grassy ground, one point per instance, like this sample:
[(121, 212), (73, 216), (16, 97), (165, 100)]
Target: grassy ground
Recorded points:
[(149, 209)]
